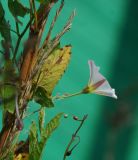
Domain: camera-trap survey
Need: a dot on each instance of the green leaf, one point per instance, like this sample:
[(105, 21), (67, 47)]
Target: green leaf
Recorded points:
[(50, 127), (7, 94), (41, 119), (7, 87), (42, 98), (11, 155), (4, 26), (33, 143), (9, 72), (35, 147), (17, 8)]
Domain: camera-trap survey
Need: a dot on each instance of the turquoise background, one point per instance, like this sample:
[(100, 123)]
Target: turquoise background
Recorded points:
[(107, 32)]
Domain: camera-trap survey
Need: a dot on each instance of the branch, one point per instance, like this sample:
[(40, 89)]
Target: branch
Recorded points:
[(68, 151)]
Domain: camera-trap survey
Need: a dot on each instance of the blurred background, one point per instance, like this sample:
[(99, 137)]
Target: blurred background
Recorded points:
[(105, 31)]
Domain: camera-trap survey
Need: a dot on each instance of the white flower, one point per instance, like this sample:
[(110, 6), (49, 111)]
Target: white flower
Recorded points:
[(98, 83)]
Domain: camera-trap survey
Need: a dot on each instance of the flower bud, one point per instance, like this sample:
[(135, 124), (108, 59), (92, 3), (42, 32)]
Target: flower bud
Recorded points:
[(65, 115), (75, 118)]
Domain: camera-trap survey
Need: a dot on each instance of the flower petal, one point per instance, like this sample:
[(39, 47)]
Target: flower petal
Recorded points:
[(106, 90), (95, 76), (90, 69), (98, 82)]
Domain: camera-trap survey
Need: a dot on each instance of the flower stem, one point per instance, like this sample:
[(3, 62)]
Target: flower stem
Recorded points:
[(66, 96)]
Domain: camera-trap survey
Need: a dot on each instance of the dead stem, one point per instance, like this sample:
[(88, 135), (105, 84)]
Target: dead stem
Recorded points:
[(53, 23), (46, 50)]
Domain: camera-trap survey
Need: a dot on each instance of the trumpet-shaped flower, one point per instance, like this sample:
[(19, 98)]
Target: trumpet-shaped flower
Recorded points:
[(98, 83)]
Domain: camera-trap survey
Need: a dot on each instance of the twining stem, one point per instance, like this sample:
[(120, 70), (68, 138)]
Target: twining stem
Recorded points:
[(68, 151), (58, 97)]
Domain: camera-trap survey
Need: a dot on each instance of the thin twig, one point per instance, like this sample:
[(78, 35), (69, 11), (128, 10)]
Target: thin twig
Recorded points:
[(55, 41), (68, 151), (41, 30), (19, 39), (41, 26), (17, 28), (66, 27), (53, 23), (16, 48)]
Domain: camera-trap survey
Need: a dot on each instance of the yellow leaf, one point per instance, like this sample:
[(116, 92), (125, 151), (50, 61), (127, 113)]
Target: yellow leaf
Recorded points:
[(53, 68), (22, 156)]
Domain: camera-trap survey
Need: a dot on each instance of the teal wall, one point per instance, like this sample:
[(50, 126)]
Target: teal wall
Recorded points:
[(107, 32)]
